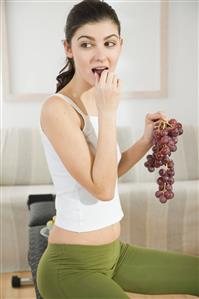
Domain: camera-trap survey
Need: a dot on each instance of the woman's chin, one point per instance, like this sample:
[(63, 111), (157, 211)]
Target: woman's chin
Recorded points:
[(91, 82)]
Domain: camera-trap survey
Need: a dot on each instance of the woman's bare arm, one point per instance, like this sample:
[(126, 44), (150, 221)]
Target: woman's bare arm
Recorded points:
[(96, 173)]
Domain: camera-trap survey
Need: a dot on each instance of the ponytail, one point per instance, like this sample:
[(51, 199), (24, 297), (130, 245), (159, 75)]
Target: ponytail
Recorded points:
[(64, 77)]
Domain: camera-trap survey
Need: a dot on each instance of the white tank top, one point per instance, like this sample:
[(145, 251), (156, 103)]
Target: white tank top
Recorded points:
[(77, 209)]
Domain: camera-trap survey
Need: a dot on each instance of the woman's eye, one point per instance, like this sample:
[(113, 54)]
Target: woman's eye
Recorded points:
[(84, 45), (111, 43)]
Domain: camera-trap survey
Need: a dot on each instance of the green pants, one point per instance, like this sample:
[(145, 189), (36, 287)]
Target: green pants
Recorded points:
[(107, 271)]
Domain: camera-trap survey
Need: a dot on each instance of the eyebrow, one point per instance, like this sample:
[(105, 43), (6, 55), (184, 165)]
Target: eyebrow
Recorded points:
[(92, 38)]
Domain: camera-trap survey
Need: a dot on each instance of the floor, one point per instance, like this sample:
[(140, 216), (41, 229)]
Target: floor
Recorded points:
[(8, 292)]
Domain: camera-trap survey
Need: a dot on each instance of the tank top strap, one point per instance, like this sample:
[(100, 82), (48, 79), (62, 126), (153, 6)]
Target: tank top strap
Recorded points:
[(69, 101)]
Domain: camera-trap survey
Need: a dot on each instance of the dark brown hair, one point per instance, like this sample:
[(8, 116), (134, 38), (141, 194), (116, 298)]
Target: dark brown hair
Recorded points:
[(87, 11)]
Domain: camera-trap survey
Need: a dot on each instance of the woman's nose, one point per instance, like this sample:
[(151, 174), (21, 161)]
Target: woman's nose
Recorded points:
[(99, 54)]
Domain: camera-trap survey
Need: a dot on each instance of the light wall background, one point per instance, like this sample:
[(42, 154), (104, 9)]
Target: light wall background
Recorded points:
[(183, 83)]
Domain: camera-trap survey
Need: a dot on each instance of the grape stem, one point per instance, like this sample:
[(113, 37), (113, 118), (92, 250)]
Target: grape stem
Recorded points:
[(162, 124)]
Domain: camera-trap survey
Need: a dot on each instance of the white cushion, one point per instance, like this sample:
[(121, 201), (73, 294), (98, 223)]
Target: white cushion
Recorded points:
[(170, 226), (24, 161), (22, 147)]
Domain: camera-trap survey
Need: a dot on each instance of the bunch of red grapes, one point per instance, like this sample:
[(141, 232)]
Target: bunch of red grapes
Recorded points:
[(164, 142)]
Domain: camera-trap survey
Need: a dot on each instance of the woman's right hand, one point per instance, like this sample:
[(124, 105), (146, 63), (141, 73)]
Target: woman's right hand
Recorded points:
[(107, 92)]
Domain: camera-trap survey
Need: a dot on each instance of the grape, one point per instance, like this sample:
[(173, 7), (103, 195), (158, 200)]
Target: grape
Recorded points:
[(164, 140), (180, 131), (171, 180), (172, 122), (160, 180), (164, 132), (173, 148), (158, 193), (167, 194), (169, 187), (170, 172), (175, 140), (161, 187), (170, 164), (162, 172), (179, 125), (149, 157), (162, 199)]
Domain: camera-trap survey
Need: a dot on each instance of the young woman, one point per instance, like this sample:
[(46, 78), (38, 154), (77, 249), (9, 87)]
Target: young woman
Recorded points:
[(84, 257)]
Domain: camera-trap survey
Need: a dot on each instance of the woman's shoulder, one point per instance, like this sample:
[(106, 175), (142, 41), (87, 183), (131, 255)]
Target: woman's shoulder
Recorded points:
[(55, 107), (56, 104)]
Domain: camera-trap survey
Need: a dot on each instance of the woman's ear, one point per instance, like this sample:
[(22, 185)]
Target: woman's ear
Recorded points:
[(68, 49), (121, 42)]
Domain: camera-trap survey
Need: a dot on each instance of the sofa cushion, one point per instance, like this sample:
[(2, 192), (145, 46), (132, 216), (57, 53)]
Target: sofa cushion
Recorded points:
[(23, 161), (170, 226), (23, 146)]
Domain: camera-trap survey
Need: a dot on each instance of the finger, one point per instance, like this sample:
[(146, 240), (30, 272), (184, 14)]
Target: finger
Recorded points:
[(103, 77), (115, 81), (110, 79), (96, 79), (156, 116), (119, 84), (163, 115)]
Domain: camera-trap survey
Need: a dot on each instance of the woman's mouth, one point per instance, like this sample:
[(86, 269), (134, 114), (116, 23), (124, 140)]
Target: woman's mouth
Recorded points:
[(99, 70)]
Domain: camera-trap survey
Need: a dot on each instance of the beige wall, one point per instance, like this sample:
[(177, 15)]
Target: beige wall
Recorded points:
[(183, 84)]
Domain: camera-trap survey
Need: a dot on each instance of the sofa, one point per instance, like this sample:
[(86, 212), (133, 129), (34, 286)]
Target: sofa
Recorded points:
[(170, 226)]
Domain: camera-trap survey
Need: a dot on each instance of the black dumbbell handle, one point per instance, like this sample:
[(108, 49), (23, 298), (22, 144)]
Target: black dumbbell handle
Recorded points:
[(17, 281)]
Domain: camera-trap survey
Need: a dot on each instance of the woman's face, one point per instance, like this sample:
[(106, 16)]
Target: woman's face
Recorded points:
[(94, 45)]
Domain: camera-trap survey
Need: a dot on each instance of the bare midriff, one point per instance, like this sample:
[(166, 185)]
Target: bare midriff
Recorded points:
[(96, 237)]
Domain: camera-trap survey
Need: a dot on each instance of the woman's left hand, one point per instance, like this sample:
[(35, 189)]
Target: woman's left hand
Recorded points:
[(150, 120)]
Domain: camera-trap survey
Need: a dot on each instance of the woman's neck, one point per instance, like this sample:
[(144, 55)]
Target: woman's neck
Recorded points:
[(76, 87), (75, 91)]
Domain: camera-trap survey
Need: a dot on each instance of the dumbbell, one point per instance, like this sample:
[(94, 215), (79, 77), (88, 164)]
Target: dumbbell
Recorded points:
[(17, 282)]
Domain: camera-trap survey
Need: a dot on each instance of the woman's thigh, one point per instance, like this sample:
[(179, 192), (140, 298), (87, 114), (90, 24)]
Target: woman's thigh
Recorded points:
[(79, 284), (78, 271), (152, 271), (85, 285)]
